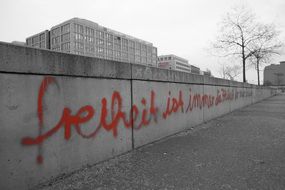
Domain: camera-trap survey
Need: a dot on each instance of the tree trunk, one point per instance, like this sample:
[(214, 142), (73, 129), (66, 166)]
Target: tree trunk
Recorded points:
[(243, 65), (257, 68)]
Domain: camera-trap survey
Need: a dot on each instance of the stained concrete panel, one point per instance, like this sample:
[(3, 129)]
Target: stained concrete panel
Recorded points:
[(21, 59), (74, 94), (141, 72), (237, 101), (23, 165), (221, 104), (242, 97), (165, 96)]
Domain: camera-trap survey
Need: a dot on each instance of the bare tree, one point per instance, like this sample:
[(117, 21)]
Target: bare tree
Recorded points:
[(238, 31), (229, 72), (265, 47)]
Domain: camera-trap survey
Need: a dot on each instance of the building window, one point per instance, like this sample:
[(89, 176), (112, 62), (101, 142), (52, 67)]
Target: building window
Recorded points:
[(117, 40), (78, 28), (89, 39), (137, 59), (182, 69), (89, 31), (109, 53), (182, 64), (65, 37), (109, 37), (65, 46), (57, 48), (143, 60), (109, 45), (124, 45), (90, 49), (79, 52), (101, 50), (55, 32), (79, 37), (79, 46), (100, 34), (42, 45), (29, 41), (55, 40), (65, 28), (124, 56), (100, 42), (35, 39), (143, 48), (131, 44), (138, 46), (42, 37)]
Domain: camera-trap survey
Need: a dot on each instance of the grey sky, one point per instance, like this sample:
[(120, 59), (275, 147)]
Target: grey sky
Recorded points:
[(181, 27)]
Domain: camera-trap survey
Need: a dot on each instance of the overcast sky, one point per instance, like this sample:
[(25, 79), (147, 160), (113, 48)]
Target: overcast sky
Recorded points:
[(181, 27)]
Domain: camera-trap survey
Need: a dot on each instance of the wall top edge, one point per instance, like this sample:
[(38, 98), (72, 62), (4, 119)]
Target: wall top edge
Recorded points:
[(21, 59)]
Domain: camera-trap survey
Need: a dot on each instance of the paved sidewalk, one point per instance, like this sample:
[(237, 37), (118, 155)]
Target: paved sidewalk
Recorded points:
[(241, 150)]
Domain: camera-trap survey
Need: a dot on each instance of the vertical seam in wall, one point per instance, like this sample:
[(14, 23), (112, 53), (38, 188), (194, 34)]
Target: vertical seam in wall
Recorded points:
[(202, 96), (252, 100), (230, 102), (131, 112)]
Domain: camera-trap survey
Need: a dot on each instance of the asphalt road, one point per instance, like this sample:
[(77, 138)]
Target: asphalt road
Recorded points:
[(241, 150)]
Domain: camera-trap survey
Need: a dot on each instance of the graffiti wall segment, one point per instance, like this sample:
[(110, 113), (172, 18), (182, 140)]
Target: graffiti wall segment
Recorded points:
[(140, 115)]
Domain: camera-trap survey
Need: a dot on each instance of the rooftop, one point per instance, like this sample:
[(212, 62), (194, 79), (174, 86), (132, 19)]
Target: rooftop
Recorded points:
[(96, 25)]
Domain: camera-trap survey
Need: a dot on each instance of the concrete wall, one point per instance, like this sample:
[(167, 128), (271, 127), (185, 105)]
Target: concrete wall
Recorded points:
[(59, 112)]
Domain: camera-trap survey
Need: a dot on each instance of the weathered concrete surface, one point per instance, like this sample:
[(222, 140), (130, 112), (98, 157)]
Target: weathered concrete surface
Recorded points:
[(59, 112), (21, 59), (221, 109), (142, 72), (241, 150), (166, 124), (60, 153)]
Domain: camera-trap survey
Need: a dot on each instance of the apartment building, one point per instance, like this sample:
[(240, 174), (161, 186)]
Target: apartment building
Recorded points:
[(84, 37), (173, 62), (274, 74), (195, 70), (40, 40)]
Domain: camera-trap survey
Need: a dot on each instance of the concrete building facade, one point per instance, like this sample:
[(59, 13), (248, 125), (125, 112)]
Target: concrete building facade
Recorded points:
[(84, 37), (40, 40), (274, 75), (173, 62), (195, 70), (206, 73)]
